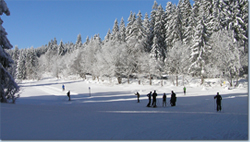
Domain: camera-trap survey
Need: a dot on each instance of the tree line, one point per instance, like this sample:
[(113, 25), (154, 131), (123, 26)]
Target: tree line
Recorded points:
[(206, 39)]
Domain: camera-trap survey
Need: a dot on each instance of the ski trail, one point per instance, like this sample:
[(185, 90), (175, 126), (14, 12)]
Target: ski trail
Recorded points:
[(54, 91)]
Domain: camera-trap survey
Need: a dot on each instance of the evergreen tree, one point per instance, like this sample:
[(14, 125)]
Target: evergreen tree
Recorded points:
[(8, 86), (107, 37), (61, 49), (79, 41), (136, 44), (131, 21), (14, 55), (86, 42), (200, 51), (173, 26), (152, 24), (122, 30), (21, 67), (31, 63), (187, 22), (115, 36), (159, 47), (146, 25)]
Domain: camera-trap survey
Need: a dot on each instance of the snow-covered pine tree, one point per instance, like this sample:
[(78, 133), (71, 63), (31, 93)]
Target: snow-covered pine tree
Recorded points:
[(172, 25), (214, 21), (173, 28), (86, 42), (187, 23), (54, 44), (14, 55), (169, 13), (8, 86), (136, 44), (122, 30), (61, 49), (159, 47), (131, 20), (107, 37), (31, 63), (146, 25), (115, 35), (200, 51), (244, 11), (79, 41), (21, 67), (189, 30), (152, 24), (186, 11), (235, 14)]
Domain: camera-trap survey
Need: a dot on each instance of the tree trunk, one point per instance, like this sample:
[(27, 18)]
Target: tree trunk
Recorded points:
[(237, 78), (202, 79), (176, 77), (128, 79), (119, 79), (172, 78), (150, 80)]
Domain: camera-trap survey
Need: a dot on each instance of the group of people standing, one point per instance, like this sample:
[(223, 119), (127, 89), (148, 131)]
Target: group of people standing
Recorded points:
[(173, 99), (164, 99)]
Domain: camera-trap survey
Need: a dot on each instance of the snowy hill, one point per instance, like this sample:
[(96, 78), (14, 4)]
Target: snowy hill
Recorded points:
[(43, 112)]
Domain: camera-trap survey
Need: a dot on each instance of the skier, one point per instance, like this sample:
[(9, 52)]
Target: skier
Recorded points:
[(68, 94), (218, 101), (154, 98), (164, 98), (184, 89), (149, 98), (173, 99), (138, 96), (63, 87)]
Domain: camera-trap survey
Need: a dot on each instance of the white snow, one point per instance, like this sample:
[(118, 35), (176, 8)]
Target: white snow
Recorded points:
[(43, 112)]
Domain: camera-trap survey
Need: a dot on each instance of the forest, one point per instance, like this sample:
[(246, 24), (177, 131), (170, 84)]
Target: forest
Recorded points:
[(208, 39)]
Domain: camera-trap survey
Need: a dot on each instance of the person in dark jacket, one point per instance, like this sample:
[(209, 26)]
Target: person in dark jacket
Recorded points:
[(164, 98), (68, 94), (149, 98), (154, 98), (173, 99), (138, 97), (218, 101)]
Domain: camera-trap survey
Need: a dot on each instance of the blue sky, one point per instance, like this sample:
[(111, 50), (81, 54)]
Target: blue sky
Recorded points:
[(36, 22)]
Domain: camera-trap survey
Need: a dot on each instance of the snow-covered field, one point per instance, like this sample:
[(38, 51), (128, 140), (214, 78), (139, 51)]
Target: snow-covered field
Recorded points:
[(43, 112)]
